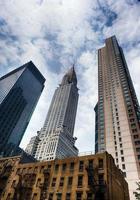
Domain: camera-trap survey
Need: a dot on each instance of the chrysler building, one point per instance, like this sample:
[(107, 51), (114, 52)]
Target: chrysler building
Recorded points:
[(55, 139)]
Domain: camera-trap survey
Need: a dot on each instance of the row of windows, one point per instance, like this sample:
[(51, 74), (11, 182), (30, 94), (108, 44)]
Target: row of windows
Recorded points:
[(79, 181), (81, 165), (68, 196)]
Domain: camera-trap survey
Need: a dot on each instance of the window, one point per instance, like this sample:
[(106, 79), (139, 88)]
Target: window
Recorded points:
[(120, 139), (122, 159), (101, 179), (119, 133), (64, 167), (90, 164), (132, 120), (79, 196), (136, 136), (123, 166), (51, 196), (120, 144), (56, 168), (137, 142), (101, 164), (138, 149), (68, 196), (124, 173), (89, 196), (71, 166), (121, 152), (49, 166), (61, 181), (134, 130), (138, 157), (70, 179), (53, 182), (80, 181), (59, 196), (81, 166)]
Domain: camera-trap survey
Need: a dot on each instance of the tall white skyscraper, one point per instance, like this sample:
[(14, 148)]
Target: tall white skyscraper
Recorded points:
[(55, 140), (118, 113)]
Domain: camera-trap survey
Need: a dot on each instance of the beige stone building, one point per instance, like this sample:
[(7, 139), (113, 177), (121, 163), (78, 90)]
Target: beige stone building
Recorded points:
[(118, 113), (90, 177)]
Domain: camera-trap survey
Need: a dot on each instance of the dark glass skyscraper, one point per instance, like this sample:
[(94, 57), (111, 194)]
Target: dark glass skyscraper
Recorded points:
[(19, 93), (118, 112)]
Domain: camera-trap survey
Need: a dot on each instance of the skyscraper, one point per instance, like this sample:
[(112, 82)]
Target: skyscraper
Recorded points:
[(118, 112), (56, 137), (19, 92)]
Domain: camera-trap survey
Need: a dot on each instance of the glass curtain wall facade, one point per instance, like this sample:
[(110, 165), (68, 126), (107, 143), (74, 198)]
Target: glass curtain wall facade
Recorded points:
[(19, 94), (118, 112)]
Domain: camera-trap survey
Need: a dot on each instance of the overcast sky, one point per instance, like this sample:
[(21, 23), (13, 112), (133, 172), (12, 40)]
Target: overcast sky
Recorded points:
[(54, 34)]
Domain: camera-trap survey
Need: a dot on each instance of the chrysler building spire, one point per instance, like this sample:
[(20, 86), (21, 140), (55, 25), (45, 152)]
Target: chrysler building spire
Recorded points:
[(55, 140), (70, 77)]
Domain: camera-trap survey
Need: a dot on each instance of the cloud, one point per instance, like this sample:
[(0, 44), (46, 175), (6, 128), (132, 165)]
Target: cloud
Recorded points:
[(56, 33)]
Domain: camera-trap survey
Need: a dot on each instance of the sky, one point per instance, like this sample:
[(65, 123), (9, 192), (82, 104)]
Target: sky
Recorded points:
[(54, 34)]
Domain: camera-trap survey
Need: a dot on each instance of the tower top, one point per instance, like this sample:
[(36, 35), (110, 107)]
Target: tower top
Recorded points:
[(70, 77)]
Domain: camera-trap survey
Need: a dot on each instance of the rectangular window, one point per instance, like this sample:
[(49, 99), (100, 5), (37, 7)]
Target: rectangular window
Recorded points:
[(68, 195), (124, 174), (51, 196), (101, 179), (64, 167), (136, 136), (61, 181), (56, 168), (70, 179), (90, 164), (89, 196), (53, 182), (59, 196), (137, 142), (71, 166), (101, 163), (81, 166), (79, 196), (123, 166), (134, 130), (122, 159), (80, 181), (138, 149), (121, 152)]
